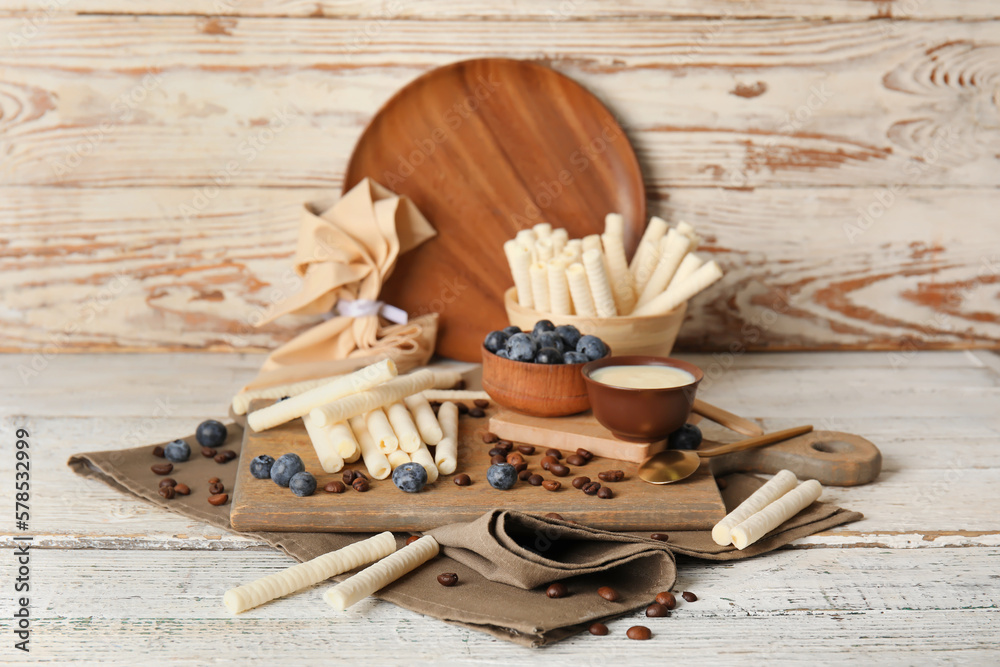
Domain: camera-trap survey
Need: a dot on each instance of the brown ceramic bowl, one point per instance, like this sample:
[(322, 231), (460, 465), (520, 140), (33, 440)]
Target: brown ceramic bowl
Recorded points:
[(641, 415), (539, 390)]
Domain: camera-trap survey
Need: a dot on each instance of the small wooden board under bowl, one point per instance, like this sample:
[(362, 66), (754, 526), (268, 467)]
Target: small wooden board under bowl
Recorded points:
[(694, 504)]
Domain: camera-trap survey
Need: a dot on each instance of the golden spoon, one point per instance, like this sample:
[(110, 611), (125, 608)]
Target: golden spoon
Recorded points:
[(673, 465)]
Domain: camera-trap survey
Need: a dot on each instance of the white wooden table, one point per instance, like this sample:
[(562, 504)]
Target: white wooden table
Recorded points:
[(117, 581)]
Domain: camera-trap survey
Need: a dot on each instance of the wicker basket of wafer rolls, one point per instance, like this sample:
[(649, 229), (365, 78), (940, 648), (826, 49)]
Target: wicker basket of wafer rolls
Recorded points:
[(636, 306)]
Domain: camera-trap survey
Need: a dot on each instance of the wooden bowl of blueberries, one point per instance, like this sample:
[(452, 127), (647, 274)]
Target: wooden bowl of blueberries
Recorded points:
[(538, 373)]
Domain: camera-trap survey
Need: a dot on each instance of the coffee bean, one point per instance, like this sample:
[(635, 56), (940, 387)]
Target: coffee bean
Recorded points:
[(721, 483), (548, 461), (524, 474), (505, 443), (657, 610), (463, 480), (554, 515), (592, 488), (659, 537), (554, 453), (514, 458), (463, 409), (689, 596), (498, 458), (520, 466), (558, 469), (576, 460), (216, 489), (208, 452), (219, 499), (158, 451), (608, 593), (551, 485), (477, 413), (611, 475), (504, 447), (213, 480), (667, 599), (411, 539), (584, 453), (490, 437), (497, 451), (527, 450), (639, 632), (598, 629), (605, 493), (360, 484), (580, 482), (229, 454), (182, 490), (448, 579), (167, 492), (556, 590), (360, 475), (536, 480), (221, 458), (481, 403), (162, 468), (168, 481), (335, 487)]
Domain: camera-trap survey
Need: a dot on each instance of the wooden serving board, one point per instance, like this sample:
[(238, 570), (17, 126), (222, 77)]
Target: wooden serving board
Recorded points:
[(693, 504), (486, 148)]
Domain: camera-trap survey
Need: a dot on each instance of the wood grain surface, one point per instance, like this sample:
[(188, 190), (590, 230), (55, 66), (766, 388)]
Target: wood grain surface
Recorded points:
[(694, 504), (840, 156)]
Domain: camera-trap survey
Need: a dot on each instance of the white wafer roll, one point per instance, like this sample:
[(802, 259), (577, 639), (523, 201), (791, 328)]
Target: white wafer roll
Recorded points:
[(673, 248), (241, 401), (574, 246), (543, 250), (344, 386), (559, 303), (357, 451), (648, 245), (776, 487), (324, 444), (688, 231), (376, 462), (540, 287), (613, 240), (689, 265), (309, 573), (775, 514), (343, 439), (543, 230), (559, 238), (675, 296), (403, 426), (519, 259), (398, 458), (423, 415), (526, 237), (424, 458), (454, 395), (597, 278), (591, 242), (366, 401), (381, 431), (446, 452), (382, 573), (579, 289)]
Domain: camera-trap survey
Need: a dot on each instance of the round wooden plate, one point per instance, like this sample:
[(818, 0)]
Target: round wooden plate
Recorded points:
[(486, 148)]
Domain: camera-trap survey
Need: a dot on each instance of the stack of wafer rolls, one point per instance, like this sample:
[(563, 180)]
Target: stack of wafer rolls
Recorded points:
[(592, 277)]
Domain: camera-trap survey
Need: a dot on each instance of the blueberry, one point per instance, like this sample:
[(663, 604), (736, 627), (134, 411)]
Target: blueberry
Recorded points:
[(302, 484), (542, 326), (520, 347), (211, 433), (503, 354), (177, 451), (686, 437), (570, 335), (591, 347), (495, 340), (574, 357), (511, 330), (260, 467), (409, 477), (286, 467), (549, 355), (501, 476), (549, 339)]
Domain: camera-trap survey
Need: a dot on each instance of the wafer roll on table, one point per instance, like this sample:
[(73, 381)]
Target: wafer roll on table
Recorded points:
[(423, 456), (375, 461), (325, 444), (403, 426), (242, 400), (777, 486), (344, 441), (381, 431), (446, 452), (397, 458), (382, 573), (365, 401), (775, 514), (425, 419)]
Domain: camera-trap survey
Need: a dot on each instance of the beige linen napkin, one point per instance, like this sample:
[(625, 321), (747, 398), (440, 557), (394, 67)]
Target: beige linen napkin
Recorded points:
[(347, 248)]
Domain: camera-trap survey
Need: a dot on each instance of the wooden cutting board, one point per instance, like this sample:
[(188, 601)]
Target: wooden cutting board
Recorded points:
[(693, 504), (486, 148)]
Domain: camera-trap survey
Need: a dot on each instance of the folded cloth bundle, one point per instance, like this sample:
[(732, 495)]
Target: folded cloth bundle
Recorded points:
[(504, 559)]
